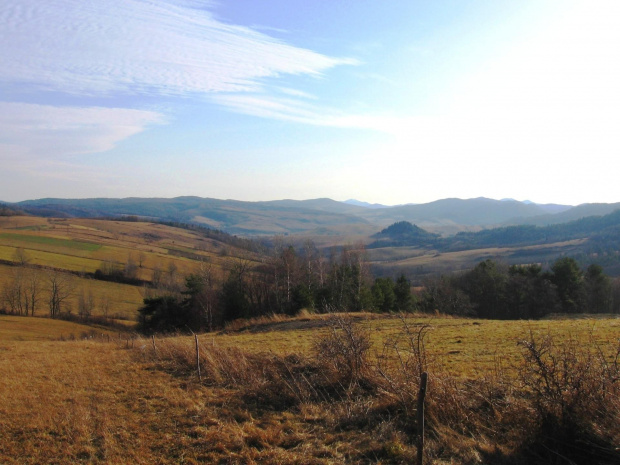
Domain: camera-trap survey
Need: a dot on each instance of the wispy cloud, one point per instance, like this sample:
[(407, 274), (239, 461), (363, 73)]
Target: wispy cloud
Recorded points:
[(120, 48), (307, 111), (32, 132), (158, 46)]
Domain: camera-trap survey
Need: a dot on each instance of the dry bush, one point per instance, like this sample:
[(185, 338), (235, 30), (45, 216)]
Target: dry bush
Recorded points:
[(402, 361), (342, 353), (575, 391)]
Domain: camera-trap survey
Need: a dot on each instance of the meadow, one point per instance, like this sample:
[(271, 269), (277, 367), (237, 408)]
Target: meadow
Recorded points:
[(19, 328), (273, 391)]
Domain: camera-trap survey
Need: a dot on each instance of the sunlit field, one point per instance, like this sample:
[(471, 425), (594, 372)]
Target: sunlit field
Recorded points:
[(265, 395)]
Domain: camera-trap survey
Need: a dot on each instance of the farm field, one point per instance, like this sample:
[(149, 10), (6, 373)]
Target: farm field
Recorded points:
[(422, 263), (80, 247), (100, 402), (82, 244)]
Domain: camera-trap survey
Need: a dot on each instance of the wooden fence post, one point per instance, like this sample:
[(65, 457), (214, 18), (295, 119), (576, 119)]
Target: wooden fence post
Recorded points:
[(421, 395), (153, 341), (198, 358)]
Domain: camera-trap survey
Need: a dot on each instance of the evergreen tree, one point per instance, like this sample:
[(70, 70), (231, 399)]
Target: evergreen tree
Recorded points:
[(598, 290), (402, 292), (568, 278), (383, 295)]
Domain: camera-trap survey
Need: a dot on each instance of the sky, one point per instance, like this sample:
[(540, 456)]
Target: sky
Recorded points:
[(393, 102)]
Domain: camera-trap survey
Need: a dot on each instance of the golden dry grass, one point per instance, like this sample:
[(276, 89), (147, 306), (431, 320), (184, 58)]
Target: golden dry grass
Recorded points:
[(20, 328), (94, 402), (89, 402), (461, 347), (124, 300), (480, 410), (119, 402)]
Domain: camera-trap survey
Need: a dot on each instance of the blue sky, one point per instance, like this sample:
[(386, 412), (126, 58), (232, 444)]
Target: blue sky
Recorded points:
[(391, 102)]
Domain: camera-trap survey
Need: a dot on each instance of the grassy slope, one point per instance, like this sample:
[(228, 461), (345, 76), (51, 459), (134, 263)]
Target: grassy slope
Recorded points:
[(124, 299), (82, 245), (462, 347), (97, 402), (19, 328)]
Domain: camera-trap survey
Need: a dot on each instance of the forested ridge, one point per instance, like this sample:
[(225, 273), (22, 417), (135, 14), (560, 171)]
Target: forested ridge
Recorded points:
[(599, 229)]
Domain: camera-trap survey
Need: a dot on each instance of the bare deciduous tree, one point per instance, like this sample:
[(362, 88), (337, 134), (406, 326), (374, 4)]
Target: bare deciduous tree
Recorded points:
[(22, 291), (32, 290), (21, 256), (60, 288), (12, 293), (104, 305), (207, 298), (156, 278), (86, 303), (131, 267)]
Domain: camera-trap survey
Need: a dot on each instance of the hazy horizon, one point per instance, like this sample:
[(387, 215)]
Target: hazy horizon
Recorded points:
[(394, 102), (351, 200)]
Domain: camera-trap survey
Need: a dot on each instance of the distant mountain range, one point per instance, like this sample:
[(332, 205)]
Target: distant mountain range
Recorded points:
[(320, 216), (365, 204)]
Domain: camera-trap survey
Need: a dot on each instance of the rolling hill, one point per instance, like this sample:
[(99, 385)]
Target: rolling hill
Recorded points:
[(407, 248), (317, 216), (109, 263)]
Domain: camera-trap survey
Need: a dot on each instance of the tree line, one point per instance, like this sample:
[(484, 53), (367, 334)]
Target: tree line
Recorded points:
[(494, 290), (291, 280), (287, 281)]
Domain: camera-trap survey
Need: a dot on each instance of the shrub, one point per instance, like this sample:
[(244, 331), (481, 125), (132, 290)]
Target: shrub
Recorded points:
[(342, 353), (575, 389)]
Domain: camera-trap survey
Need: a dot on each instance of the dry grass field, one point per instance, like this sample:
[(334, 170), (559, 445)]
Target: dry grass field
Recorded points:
[(315, 389), (279, 391), (82, 246), (19, 328), (123, 299), (460, 347)]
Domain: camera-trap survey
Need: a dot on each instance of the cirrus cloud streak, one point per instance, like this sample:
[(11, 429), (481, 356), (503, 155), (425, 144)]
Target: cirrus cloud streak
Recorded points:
[(156, 47)]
